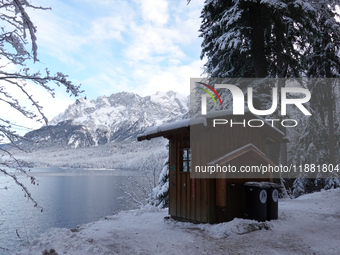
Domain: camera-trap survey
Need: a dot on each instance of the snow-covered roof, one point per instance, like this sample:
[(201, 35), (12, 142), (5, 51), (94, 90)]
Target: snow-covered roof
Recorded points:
[(239, 152), (157, 131), (165, 127)]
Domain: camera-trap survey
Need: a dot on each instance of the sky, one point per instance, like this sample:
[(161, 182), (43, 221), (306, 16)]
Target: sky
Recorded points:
[(109, 46)]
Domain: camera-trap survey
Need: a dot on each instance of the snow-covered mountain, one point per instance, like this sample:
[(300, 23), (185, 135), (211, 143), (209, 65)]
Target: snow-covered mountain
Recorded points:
[(115, 118)]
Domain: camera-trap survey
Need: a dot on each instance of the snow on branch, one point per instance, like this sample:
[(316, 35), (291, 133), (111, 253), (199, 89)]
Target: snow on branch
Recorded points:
[(28, 24), (15, 23)]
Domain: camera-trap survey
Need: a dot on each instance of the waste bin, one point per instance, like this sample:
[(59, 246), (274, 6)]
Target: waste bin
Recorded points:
[(256, 200), (273, 201)]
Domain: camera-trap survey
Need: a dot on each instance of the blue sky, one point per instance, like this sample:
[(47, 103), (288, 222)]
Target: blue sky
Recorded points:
[(140, 46)]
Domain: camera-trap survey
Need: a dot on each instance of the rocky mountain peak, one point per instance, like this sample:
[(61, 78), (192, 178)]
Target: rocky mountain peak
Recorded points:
[(116, 117)]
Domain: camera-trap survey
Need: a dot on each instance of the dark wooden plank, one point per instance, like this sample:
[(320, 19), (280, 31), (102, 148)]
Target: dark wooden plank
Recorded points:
[(212, 210), (232, 200), (178, 187), (237, 199), (221, 192), (193, 198), (204, 202), (198, 200), (228, 201), (183, 194), (172, 177), (188, 198)]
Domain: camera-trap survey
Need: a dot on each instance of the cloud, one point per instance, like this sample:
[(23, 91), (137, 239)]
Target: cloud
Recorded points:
[(153, 57), (152, 44), (111, 46), (154, 11), (177, 78), (51, 106), (57, 36), (107, 28), (69, 32)]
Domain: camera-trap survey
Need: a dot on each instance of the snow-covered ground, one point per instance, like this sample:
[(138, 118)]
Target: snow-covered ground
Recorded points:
[(309, 224)]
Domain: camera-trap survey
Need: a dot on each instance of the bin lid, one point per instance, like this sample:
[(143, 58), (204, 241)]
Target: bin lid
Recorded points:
[(257, 184), (264, 185), (274, 185)]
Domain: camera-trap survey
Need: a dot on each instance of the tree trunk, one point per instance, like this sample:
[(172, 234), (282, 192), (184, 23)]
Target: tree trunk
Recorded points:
[(330, 103), (257, 35), (331, 133)]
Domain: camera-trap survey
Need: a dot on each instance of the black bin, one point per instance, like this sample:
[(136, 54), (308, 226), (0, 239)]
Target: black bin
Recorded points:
[(273, 201), (256, 200)]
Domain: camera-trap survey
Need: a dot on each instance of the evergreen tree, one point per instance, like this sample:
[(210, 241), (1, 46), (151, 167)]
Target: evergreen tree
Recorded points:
[(322, 60), (160, 194), (279, 39), (255, 38), (299, 187)]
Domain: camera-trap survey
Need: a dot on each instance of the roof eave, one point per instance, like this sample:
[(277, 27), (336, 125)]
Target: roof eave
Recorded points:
[(164, 133)]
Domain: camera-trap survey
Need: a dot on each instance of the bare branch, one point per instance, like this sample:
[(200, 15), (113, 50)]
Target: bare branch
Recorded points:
[(15, 23)]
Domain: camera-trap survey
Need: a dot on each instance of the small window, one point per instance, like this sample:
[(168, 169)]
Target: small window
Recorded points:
[(186, 160)]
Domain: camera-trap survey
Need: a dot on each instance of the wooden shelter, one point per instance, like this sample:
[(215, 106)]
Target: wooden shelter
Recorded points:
[(213, 200)]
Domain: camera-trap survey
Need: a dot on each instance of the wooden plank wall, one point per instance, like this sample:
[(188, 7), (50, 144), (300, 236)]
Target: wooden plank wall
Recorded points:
[(190, 199), (203, 200)]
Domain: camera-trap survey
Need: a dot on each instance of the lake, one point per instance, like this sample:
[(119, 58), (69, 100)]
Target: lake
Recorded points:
[(70, 197)]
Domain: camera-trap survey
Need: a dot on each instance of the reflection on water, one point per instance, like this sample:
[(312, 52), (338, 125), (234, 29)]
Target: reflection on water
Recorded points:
[(69, 198)]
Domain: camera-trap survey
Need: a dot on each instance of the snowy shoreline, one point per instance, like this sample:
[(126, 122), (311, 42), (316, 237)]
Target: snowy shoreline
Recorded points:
[(129, 155), (309, 224)]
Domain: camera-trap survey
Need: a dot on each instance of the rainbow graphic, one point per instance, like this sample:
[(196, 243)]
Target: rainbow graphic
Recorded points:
[(208, 92)]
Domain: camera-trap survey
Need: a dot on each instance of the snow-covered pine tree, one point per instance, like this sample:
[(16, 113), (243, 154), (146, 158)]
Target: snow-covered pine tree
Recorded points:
[(332, 183), (322, 60), (299, 187), (226, 40), (273, 38), (255, 38), (160, 194)]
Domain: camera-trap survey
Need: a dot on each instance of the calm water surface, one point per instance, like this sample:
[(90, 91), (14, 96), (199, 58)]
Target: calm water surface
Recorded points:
[(69, 198)]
